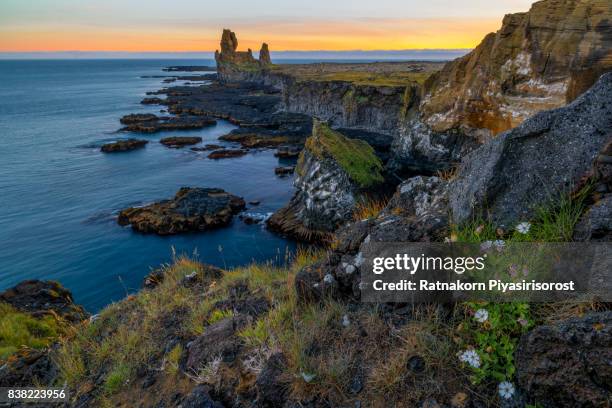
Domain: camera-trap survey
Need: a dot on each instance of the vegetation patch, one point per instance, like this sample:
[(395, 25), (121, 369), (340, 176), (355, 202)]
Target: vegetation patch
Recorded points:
[(356, 157), (18, 329)]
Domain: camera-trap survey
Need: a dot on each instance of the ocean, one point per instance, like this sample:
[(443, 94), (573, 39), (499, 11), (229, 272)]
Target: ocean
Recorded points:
[(59, 195)]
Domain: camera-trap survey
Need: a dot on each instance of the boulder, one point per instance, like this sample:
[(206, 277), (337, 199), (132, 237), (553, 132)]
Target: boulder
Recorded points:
[(284, 170), (28, 367), (218, 341), (191, 209), (272, 385), (288, 151), (567, 364), (180, 141), (123, 145), (199, 397), (41, 297), (509, 177), (227, 153)]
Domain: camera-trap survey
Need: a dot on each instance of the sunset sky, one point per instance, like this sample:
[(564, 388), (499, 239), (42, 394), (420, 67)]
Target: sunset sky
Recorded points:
[(195, 25)]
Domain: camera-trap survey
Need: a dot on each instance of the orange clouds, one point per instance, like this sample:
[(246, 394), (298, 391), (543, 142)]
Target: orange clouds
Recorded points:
[(365, 34)]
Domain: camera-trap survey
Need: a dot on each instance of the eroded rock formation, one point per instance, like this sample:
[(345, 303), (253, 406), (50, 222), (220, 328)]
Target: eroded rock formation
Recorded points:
[(238, 65), (538, 60)]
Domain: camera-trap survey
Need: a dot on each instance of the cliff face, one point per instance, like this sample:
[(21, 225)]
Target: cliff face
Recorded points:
[(343, 104), (538, 60), (233, 65)]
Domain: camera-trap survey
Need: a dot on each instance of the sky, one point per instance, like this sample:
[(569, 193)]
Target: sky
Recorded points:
[(195, 25)]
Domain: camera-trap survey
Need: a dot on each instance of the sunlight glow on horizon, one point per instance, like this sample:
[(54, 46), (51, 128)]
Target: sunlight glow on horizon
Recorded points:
[(63, 25)]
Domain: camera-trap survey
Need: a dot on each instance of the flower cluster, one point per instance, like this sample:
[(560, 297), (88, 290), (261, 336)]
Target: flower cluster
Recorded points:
[(506, 389), (470, 357)]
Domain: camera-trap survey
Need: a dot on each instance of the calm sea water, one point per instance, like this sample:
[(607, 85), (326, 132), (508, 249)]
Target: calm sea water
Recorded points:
[(59, 195)]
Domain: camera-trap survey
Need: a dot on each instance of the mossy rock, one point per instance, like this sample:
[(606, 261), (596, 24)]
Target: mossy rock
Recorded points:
[(355, 157)]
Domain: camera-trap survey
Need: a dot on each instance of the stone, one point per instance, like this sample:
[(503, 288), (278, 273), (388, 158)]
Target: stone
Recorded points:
[(227, 153), (180, 141), (567, 364), (123, 145), (538, 60), (199, 397), (529, 166), (272, 384), (284, 170), (191, 210), (288, 151), (151, 101), (149, 123), (219, 340), (28, 367), (596, 223)]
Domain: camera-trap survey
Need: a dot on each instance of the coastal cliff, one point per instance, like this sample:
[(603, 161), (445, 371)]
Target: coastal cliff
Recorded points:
[(538, 60)]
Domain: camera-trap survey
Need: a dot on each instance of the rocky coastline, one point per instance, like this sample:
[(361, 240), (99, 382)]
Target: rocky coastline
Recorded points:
[(517, 132)]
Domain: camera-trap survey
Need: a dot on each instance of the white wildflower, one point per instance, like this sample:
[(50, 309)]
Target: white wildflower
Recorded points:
[(499, 244), (346, 322), (329, 279), (470, 357), (481, 315), (485, 246), (308, 377), (506, 389), (523, 227)]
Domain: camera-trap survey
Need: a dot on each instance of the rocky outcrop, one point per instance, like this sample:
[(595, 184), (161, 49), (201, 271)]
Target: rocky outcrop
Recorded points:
[(218, 341), (538, 60), (568, 364), (180, 141), (123, 145), (227, 153), (192, 209), (43, 297), (149, 123), (332, 172), (527, 167), (234, 65)]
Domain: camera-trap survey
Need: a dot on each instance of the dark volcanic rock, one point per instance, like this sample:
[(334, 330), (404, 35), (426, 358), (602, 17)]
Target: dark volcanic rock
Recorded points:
[(568, 364), (218, 340), (536, 162), (192, 209), (137, 118), (28, 367), (200, 398), (227, 153), (284, 170), (180, 141), (123, 145), (288, 151), (149, 123), (272, 386), (40, 297), (151, 101)]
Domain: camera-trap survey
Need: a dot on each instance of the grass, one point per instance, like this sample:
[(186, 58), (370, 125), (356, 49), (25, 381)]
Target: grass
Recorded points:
[(368, 208), (19, 330), (363, 78), (356, 157)]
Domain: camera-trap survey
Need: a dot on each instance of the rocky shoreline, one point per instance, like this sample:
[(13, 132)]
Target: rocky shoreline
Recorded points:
[(511, 142)]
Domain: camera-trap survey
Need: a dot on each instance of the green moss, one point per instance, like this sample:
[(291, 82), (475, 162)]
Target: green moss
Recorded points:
[(356, 157), (19, 329)]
